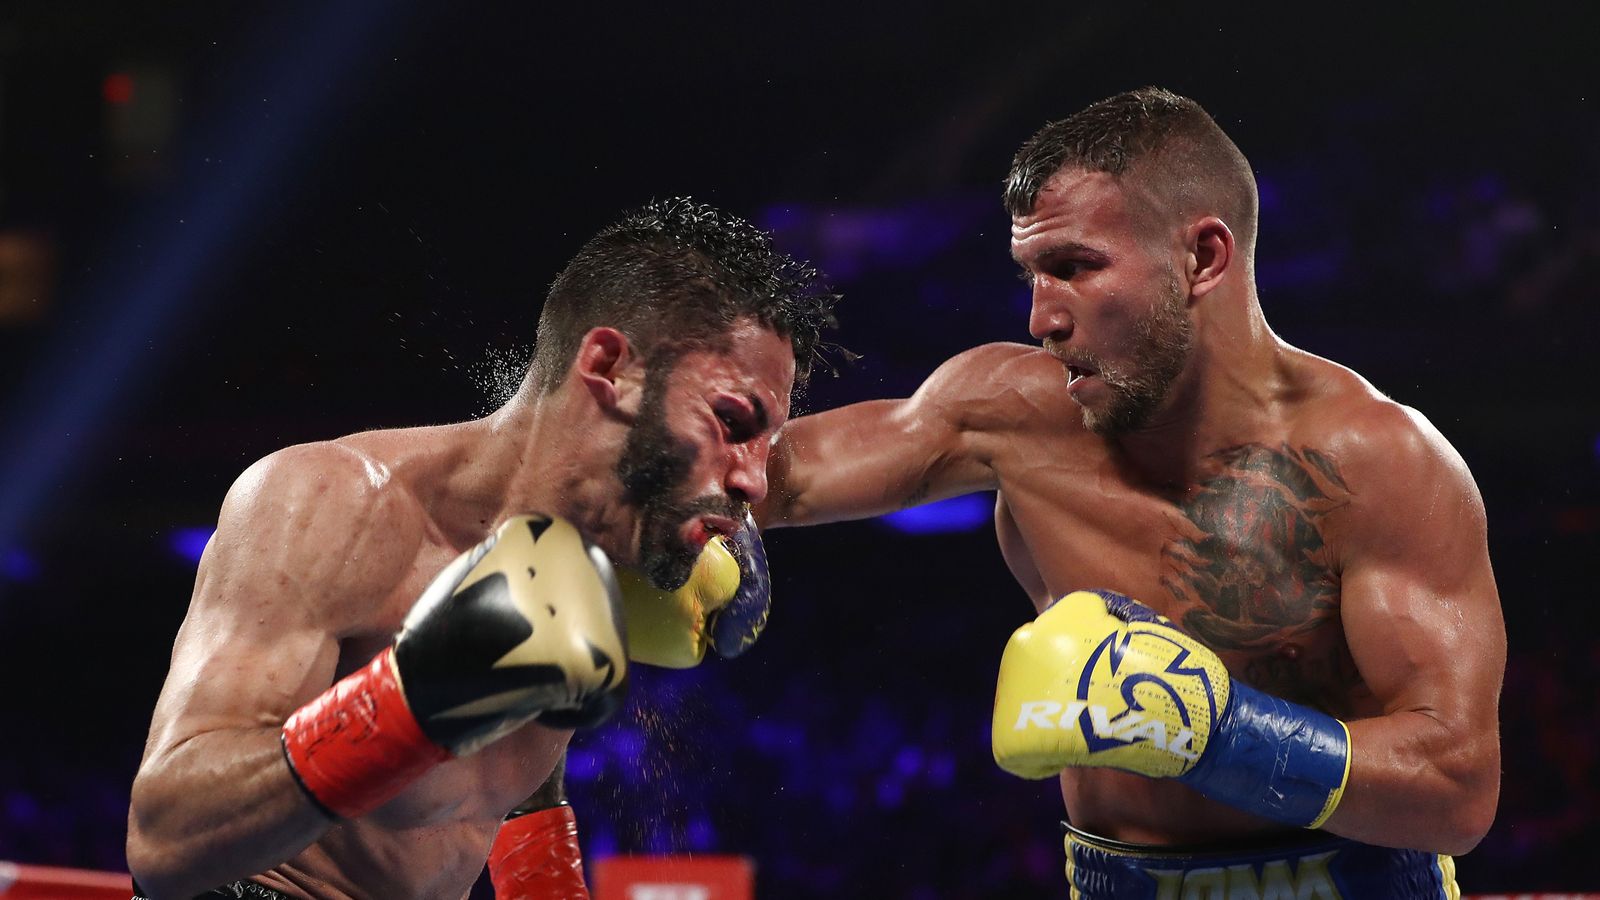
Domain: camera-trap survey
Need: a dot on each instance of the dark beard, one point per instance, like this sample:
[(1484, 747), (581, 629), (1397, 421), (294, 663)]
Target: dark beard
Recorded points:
[(1163, 340), (653, 467)]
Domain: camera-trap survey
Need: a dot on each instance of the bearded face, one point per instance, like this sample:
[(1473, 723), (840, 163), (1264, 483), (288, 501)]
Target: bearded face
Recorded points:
[(654, 469), (1161, 343)]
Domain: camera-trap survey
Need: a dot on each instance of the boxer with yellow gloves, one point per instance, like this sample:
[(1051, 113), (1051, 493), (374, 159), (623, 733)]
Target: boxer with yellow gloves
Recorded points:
[(325, 733), (1336, 645), (1101, 680)]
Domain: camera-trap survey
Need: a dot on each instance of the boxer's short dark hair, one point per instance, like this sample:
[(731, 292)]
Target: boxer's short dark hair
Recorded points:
[(1154, 134), (674, 276)]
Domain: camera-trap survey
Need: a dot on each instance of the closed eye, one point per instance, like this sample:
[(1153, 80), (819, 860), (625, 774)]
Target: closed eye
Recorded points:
[(1064, 270), (1058, 270), (737, 422)]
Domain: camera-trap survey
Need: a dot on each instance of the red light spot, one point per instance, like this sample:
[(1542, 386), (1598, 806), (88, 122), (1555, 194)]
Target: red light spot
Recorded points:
[(1577, 520), (117, 88)]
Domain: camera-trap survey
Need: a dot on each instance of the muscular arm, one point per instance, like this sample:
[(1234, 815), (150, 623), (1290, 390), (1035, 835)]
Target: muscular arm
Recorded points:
[(1422, 617), (294, 562), (879, 456)]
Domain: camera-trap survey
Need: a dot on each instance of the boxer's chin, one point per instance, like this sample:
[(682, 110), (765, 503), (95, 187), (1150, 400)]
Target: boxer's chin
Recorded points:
[(1120, 411), (667, 555)]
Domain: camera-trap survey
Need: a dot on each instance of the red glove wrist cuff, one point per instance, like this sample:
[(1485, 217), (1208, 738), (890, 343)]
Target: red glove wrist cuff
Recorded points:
[(536, 857), (357, 745)]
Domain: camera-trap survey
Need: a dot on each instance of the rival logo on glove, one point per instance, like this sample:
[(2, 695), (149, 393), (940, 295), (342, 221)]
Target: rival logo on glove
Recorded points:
[(1097, 726), (1153, 700)]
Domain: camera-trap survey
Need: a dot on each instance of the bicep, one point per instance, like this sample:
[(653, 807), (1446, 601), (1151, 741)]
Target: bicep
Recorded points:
[(242, 658), (1426, 643), (284, 578), (1421, 610), (1423, 622)]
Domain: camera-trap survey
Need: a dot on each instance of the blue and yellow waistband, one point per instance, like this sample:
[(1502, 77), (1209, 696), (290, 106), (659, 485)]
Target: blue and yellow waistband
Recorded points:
[(1322, 867)]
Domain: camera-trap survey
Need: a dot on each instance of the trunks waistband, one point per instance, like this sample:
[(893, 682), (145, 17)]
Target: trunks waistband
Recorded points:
[(1318, 867), (239, 890)]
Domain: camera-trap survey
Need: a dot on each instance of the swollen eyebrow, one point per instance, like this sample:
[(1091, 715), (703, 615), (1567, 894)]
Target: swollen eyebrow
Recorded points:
[(760, 410)]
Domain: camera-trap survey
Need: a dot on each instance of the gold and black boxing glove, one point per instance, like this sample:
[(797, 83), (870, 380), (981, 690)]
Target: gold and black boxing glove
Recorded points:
[(525, 625)]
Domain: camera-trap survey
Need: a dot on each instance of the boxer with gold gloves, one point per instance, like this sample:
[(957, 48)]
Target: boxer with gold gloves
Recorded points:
[(394, 633), (525, 625)]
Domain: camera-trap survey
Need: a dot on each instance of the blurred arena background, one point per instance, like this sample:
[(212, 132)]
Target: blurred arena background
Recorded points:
[(225, 228)]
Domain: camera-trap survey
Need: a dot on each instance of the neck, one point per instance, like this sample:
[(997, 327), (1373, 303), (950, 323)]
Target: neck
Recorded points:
[(543, 453), (1226, 393)]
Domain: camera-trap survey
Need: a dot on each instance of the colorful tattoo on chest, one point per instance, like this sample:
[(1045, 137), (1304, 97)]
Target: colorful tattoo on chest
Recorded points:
[(1251, 572)]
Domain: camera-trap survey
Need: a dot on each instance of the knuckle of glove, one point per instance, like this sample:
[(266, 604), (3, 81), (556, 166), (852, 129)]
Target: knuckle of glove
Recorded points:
[(724, 604), (665, 628), (670, 628), (531, 625), (736, 626)]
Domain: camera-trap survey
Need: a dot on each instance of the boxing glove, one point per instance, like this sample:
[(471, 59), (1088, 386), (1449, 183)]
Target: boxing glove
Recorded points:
[(525, 624), (723, 604), (1099, 679)]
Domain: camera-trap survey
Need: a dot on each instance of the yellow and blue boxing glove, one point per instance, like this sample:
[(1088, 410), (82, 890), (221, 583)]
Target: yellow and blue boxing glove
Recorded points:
[(1099, 679), (723, 605)]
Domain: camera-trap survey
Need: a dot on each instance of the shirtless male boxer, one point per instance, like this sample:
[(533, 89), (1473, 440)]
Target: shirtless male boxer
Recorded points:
[(1329, 647), (666, 354)]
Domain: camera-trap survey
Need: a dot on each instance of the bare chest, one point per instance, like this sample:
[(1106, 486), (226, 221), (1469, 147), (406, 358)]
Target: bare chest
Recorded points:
[(1240, 559)]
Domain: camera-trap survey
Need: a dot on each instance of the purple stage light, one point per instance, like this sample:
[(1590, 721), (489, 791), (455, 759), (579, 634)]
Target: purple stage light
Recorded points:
[(702, 834), (849, 241), (1269, 193), (17, 565), (583, 765), (190, 543), (964, 513), (908, 762)]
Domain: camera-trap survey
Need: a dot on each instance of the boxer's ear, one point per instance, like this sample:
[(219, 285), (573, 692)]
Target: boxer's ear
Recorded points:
[(609, 370), (1210, 252)]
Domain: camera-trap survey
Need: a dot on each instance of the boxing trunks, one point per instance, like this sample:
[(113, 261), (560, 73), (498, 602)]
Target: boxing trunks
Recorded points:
[(1319, 867), (239, 890)]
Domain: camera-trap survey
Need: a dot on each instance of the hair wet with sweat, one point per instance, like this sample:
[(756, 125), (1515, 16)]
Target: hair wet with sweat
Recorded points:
[(1166, 141), (674, 276)]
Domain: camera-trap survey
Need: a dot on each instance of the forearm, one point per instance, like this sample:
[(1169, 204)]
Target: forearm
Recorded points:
[(536, 852), (858, 463), (218, 807), (550, 794), (1418, 784)]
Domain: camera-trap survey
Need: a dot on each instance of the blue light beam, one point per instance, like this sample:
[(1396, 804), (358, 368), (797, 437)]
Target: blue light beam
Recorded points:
[(157, 265)]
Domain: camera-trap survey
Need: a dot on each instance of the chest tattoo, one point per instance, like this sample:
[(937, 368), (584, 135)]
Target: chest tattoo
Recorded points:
[(1249, 567)]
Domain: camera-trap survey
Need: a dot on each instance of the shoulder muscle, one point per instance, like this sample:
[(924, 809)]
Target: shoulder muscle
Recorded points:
[(316, 525)]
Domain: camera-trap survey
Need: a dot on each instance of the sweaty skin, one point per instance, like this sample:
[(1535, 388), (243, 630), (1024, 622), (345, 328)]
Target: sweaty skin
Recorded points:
[(319, 553), (1327, 542)]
